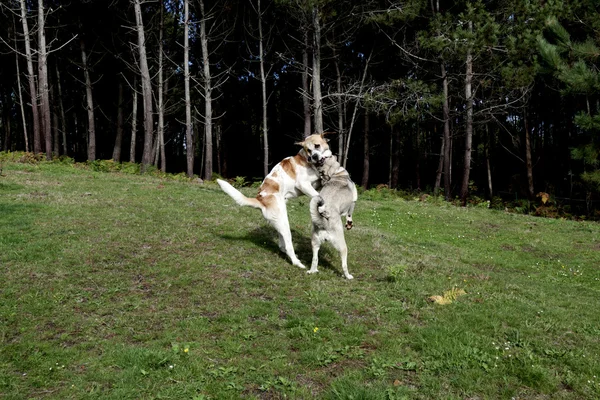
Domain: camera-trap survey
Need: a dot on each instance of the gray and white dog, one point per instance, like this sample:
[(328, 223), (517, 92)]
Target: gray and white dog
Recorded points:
[(336, 199)]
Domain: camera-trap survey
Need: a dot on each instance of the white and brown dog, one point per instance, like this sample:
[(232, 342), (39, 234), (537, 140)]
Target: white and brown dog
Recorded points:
[(292, 177)]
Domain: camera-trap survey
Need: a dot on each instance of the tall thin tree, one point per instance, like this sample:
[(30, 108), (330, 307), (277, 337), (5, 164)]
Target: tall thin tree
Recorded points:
[(207, 82), (37, 144), (464, 190), (306, 86), (263, 84), (132, 147), (20, 92), (43, 80), (160, 139), (316, 71), (61, 107), (116, 156), (146, 87), (189, 134), (91, 147)]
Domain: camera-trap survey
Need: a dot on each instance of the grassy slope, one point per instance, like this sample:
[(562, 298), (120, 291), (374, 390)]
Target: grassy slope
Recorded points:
[(121, 286)]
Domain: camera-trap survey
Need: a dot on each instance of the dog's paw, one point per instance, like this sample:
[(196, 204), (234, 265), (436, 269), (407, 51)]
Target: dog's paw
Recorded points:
[(348, 276), (298, 264), (312, 271)]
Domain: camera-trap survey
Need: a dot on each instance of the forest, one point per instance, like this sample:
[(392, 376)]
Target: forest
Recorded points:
[(465, 99)]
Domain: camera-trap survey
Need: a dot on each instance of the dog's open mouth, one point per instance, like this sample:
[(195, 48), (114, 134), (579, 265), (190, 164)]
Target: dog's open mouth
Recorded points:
[(320, 162)]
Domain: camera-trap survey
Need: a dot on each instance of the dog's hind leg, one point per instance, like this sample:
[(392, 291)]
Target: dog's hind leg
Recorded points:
[(339, 243), (282, 225), (349, 223), (316, 245)]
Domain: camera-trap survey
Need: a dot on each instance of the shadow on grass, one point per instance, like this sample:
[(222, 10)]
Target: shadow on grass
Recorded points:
[(266, 238)]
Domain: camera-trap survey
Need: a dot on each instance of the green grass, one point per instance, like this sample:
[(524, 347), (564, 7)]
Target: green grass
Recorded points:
[(118, 286)]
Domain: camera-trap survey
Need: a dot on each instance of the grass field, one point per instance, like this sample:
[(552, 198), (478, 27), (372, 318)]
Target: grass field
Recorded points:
[(119, 286)]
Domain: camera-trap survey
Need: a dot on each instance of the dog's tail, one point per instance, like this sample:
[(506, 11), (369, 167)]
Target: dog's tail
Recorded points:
[(238, 196), (315, 203), (318, 210)]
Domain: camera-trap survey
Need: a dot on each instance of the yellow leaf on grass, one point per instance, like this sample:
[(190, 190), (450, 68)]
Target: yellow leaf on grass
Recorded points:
[(439, 300), (448, 297)]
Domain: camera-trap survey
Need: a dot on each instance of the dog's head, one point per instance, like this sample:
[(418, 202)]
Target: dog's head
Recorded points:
[(316, 149)]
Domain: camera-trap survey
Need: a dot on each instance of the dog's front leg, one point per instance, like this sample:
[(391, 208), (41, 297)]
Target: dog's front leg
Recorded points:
[(307, 189)]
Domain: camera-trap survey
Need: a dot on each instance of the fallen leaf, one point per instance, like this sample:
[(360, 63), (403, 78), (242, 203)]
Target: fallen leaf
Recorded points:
[(448, 297)]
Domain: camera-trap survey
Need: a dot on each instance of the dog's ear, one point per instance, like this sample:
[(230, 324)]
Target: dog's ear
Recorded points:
[(326, 133), (300, 143)]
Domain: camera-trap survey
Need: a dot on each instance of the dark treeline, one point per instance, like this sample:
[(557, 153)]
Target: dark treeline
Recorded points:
[(486, 98)]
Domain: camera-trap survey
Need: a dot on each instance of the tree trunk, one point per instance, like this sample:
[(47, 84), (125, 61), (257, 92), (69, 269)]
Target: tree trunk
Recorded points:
[(146, 89), (189, 134), (163, 156), (528, 162), (316, 71), (366, 152), (391, 160), (20, 91), (63, 119), (6, 108), (464, 191), (116, 156), (360, 91), (488, 163), (440, 168), (339, 103), (37, 143), (43, 81), (76, 131), (444, 164), (305, 87), (208, 159), (133, 122), (218, 142), (447, 139), (418, 157), (55, 119), (263, 82), (395, 170), (91, 148), (160, 141)]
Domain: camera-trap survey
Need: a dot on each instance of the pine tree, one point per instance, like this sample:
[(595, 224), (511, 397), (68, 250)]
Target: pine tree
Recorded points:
[(575, 65)]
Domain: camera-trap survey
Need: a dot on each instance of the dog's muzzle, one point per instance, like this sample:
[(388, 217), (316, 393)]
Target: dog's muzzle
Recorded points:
[(317, 159)]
